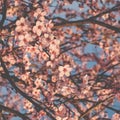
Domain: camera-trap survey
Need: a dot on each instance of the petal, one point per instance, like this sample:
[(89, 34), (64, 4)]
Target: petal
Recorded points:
[(69, 69), (21, 37), (38, 32), (18, 28), (67, 66), (67, 74), (18, 22), (38, 23), (61, 74), (22, 19), (34, 29), (60, 68), (35, 14)]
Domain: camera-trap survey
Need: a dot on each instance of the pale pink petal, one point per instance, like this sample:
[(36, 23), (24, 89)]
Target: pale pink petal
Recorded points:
[(60, 68), (18, 23), (38, 32), (38, 23), (21, 37), (18, 28), (67, 74), (61, 74), (22, 19)]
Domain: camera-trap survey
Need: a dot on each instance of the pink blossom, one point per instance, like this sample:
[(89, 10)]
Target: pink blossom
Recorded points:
[(21, 25), (64, 70), (37, 82), (39, 28), (24, 39), (54, 53), (36, 92), (40, 14), (44, 55)]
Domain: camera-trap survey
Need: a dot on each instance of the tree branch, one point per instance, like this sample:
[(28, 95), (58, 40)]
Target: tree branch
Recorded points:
[(37, 105), (4, 10), (94, 106), (83, 22), (90, 20), (14, 111)]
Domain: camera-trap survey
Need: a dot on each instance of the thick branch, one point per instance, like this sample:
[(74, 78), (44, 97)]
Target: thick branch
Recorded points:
[(90, 20), (113, 109), (4, 9), (94, 106), (86, 21), (7, 109)]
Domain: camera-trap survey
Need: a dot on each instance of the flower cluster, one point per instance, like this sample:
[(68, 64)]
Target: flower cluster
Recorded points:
[(53, 69)]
